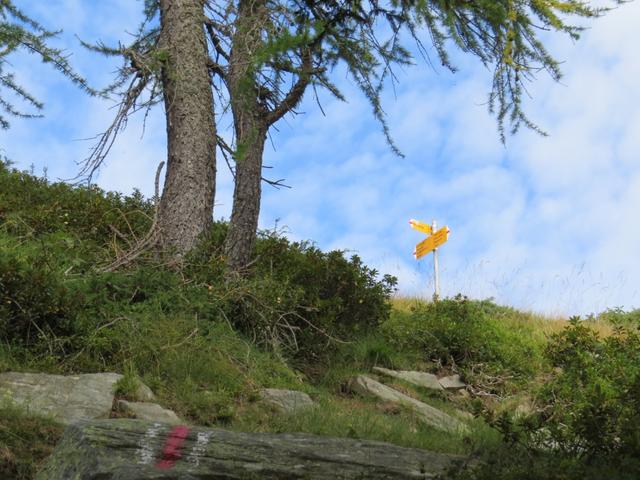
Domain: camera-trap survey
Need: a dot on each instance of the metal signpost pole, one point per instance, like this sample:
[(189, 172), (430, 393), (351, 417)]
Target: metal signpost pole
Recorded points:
[(430, 245), (436, 280)]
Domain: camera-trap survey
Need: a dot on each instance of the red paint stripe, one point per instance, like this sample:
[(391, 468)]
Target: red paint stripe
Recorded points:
[(171, 451)]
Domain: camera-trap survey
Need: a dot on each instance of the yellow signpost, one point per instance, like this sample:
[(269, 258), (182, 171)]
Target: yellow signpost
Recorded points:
[(420, 226), (430, 244)]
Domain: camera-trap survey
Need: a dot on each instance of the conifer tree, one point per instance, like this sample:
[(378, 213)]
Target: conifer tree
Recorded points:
[(261, 56), (20, 32), (275, 50)]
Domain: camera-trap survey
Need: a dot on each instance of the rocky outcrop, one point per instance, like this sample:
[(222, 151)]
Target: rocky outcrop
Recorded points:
[(423, 379), (67, 398), (452, 382), (131, 449), (143, 393), (420, 379), (148, 411), (430, 415), (286, 401)]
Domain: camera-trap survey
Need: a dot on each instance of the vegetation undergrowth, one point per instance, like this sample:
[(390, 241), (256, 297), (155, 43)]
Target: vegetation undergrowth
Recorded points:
[(587, 418), (490, 345), (25, 441), (300, 319)]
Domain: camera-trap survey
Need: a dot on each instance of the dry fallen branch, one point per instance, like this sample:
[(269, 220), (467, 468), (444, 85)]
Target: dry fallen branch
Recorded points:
[(150, 240)]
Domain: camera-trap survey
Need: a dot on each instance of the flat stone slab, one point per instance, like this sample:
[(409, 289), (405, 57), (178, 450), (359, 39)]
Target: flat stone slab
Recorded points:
[(430, 415), (420, 379), (287, 401), (68, 399), (125, 449), (452, 382), (149, 411)]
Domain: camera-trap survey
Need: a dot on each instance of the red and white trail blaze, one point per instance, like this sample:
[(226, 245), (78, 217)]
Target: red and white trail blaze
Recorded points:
[(171, 452), (172, 449)]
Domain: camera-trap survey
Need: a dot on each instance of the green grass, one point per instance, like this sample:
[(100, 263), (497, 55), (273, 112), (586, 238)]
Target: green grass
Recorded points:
[(364, 418), (25, 441)]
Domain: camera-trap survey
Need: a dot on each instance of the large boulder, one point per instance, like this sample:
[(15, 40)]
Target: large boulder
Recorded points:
[(429, 415), (127, 449), (67, 398)]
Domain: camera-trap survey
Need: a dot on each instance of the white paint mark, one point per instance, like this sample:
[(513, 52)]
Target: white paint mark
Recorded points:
[(145, 447), (202, 440)]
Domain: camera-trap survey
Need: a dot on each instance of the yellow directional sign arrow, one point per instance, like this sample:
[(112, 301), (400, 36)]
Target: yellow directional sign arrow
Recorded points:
[(429, 244), (421, 226)]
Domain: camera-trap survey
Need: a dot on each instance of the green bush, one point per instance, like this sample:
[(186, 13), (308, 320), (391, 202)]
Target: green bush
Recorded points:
[(202, 341), (592, 404), (587, 421), (35, 302), (295, 299), (464, 333), (98, 223)]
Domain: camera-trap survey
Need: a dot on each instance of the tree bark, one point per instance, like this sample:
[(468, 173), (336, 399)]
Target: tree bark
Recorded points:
[(246, 196), (250, 123), (186, 206)]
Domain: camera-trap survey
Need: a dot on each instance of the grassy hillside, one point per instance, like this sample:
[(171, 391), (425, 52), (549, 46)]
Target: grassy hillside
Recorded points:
[(302, 319)]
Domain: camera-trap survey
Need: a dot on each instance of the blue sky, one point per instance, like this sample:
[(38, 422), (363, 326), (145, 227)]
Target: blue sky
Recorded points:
[(548, 224)]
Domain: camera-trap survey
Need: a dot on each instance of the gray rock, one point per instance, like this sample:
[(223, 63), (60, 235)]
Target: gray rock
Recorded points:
[(127, 449), (148, 411), (452, 382), (144, 393), (67, 398), (287, 401), (420, 379), (430, 415)]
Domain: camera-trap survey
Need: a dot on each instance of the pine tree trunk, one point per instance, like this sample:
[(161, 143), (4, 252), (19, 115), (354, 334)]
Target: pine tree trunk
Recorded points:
[(247, 193), (250, 125), (186, 205)]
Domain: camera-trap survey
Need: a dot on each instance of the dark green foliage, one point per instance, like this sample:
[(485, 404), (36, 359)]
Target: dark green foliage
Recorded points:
[(464, 333), (587, 422), (593, 402), (31, 207), (338, 295), (297, 300), (35, 302)]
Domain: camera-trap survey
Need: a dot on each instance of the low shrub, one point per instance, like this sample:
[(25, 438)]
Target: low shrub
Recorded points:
[(295, 299), (31, 207), (592, 403), (35, 303), (463, 333), (587, 421)]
